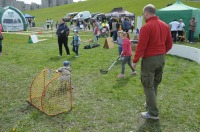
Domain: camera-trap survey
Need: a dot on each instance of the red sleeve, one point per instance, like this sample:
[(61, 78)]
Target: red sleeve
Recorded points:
[(168, 43), (96, 31), (142, 44), (124, 48), (0, 28)]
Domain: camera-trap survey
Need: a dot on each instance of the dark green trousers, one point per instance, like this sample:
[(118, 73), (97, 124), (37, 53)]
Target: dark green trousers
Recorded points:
[(151, 76)]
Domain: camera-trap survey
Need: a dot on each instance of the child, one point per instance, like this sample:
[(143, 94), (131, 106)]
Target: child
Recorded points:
[(88, 24), (76, 42), (119, 42), (1, 38), (126, 54), (65, 75), (96, 32)]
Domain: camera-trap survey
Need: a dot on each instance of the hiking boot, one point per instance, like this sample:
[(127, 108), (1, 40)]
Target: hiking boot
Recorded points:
[(146, 115), (133, 73), (120, 76)]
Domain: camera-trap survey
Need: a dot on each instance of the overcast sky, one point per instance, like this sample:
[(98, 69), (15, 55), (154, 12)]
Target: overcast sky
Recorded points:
[(36, 1)]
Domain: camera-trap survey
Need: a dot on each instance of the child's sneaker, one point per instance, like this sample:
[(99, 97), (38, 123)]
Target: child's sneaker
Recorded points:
[(133, 73), (146, 115), (120, 76)]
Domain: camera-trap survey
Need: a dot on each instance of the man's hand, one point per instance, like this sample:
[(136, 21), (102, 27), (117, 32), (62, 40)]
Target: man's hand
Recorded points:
[(134, 65)]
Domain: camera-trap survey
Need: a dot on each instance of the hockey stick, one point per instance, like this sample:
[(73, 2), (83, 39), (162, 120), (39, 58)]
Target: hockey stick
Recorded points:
[(105, 71)]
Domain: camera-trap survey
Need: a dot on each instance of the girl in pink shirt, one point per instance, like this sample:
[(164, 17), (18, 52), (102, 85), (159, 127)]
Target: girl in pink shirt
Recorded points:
[(1, 38), (126, 55)]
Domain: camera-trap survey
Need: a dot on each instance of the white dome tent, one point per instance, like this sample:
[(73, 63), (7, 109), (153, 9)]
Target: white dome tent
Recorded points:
[(12, 19)]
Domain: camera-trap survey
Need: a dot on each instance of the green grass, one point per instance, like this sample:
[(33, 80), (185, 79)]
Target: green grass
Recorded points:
[(135, 6), (100, 102)]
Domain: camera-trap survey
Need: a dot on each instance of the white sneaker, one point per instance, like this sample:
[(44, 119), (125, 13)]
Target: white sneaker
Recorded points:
[(133, 73), (146, 115), (0, 53), (76, 56)]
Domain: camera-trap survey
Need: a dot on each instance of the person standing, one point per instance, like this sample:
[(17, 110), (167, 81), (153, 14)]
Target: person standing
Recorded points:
[(114, 29), (155, 41), (47, 23), (30, 23), (57, 24), (1, 38), (181, 28), (119, 42), (51, 23), (132, 24), (96, 32), (76, 42), (192, 25), (126, 25), (174, 29), (62, 33), (126, 55)]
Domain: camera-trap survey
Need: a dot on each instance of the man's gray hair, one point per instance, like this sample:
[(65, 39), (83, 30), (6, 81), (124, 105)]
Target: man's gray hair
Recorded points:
[(150, 9)]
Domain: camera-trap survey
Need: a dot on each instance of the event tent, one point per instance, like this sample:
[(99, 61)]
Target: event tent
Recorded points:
[(12, 19), (119, 12), (180, 11), (28, 16)]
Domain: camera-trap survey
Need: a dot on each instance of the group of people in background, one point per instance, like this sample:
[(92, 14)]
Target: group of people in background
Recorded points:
[(178, 30), (96, 26), (116, 25), (49, 24)]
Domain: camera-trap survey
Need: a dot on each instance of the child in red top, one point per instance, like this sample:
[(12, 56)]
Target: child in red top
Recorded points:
[(1, 38), (96, 32), (126, 55)]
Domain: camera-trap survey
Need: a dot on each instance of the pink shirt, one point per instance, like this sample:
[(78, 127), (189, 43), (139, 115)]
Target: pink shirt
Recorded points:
[(0, 28), (127, 50)]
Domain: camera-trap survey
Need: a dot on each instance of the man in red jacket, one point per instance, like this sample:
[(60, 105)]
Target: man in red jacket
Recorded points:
[(154, 42)]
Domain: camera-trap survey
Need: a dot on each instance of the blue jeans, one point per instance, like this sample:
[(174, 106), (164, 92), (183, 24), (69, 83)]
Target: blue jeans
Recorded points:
[(191, 36), (0, 45), (75, 49), (114, 35), (120, 50)]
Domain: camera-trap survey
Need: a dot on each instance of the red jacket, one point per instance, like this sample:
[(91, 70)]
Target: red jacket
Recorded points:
[(96, 31), (155, 39), (126, 48)]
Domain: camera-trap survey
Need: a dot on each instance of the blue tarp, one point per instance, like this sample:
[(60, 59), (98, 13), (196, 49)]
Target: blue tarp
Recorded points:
[(28, 16)]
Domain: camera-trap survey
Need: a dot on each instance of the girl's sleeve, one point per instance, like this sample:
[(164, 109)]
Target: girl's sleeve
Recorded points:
[(0, 28)]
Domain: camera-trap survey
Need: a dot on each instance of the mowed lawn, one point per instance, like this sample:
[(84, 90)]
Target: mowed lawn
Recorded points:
[(101, 102)]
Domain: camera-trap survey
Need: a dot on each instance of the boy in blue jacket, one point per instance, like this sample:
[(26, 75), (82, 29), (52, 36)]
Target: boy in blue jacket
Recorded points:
[(76, 42)]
